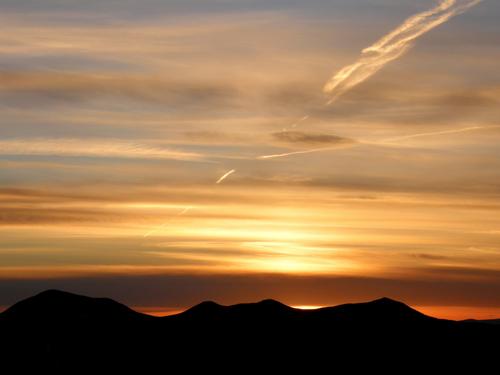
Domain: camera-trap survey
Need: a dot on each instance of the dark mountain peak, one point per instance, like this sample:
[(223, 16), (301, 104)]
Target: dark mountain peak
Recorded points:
[(202, 311), (57, 305), (209, 304), (383, 311), (386, 300), (388, 303), (55, 293), (266, 306), (205, 307), (272, 304), (265, 309), (65, 332), (379, 310)]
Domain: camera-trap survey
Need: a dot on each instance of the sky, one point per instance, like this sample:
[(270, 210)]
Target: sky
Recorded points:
[(118, 120)]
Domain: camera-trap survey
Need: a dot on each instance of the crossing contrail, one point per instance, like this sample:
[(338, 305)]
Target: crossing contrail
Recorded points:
[(373, 58), (275, 156), (389, 48), (443, 132), (382, 142), (310, 151), (225, 175), (393, 45)]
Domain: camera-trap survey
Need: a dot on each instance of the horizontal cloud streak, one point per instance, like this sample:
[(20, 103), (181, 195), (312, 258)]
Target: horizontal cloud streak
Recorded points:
[(68, 87), (92, 148), (426, 209), (296, 137)]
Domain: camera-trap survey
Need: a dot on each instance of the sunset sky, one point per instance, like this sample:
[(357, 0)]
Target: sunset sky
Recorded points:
[(117, 118)]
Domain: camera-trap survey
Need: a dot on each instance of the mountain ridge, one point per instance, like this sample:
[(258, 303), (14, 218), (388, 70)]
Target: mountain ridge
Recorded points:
[(53, 303), (59, 330), (53, 299)]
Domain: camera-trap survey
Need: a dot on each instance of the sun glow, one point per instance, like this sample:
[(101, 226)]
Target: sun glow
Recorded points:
[(307, 307)]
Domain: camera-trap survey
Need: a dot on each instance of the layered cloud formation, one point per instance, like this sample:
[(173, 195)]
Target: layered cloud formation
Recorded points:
[(116, 123), (394, 45)]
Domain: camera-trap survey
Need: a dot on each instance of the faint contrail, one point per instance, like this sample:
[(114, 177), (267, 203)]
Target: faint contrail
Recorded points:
[(393, 45), (443, 132), (298, 122), (184, 211), (225, 175), (389, 48), (310, 151), (381, 142)]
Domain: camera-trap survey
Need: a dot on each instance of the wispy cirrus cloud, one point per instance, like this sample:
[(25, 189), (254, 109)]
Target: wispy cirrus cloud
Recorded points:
[(159, 88), (93, 148), (393, 45), (50, 87)]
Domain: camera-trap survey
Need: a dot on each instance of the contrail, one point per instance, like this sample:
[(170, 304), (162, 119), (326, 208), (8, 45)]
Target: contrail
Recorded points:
[(300, 120), (381, 142), (393, 45), (225, 175), (443, 132), (390, 47), (184, 211), (275, 156)]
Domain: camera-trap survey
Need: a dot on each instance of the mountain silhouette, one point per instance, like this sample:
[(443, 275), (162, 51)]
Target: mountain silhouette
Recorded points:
[(483, 321), (59, 306), (380, 310), (65, 332), (266, 310)]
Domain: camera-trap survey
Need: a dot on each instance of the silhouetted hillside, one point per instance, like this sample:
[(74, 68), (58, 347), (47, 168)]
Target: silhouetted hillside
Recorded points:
[(59, 306), (487, 321), (58, 331)]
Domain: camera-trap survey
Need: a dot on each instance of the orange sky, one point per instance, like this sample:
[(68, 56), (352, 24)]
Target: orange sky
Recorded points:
[(116, 126)]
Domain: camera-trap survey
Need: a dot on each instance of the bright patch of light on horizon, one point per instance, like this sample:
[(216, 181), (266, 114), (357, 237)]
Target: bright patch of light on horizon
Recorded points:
[(307, 307)]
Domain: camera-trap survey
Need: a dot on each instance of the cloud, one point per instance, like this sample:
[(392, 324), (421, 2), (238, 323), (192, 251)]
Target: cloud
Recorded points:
[(310, 139), (44, 87), (431, 256), (315, 142), (92, 148), (217, 137), (393, 45), (395, 99), (51, 216), (160, 90)]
